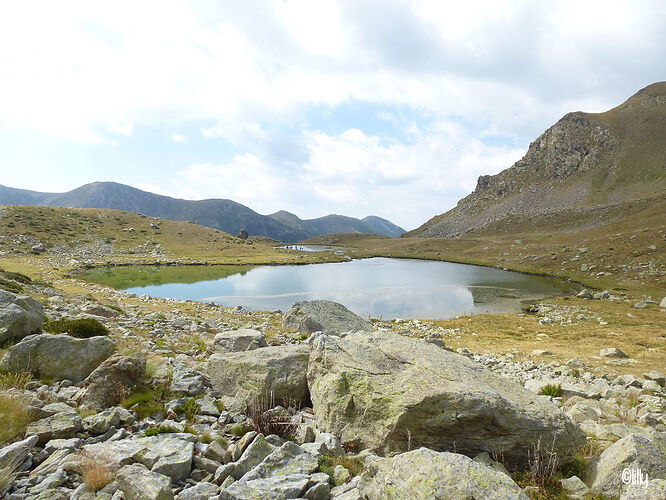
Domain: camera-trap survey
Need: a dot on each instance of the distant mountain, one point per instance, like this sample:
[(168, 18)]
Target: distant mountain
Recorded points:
[(584, 165), (225, 215)]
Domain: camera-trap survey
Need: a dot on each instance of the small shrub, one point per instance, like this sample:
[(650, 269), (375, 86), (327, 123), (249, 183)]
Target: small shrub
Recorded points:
[(20, 277), (10, 286), (96, 475), (237, 430), (219, 405), (79, 328), (575, 373), (147, 402), (266, 422), (162, 429), (543, 472), (552, 390)]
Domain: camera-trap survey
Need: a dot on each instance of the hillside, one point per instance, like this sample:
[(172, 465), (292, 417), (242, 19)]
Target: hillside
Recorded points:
[(225, 215), (585, 164)]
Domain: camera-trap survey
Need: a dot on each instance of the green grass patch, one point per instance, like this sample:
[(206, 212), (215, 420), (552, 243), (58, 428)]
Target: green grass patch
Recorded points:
[(14, 380), (551, 390), (148, 401), (79, 328)]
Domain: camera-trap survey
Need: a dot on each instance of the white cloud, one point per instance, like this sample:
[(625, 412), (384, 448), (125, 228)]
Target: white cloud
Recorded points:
[(355, 174), (253, 76)]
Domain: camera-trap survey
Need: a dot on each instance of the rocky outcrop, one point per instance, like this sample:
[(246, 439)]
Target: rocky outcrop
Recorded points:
[(323, 316), (20, 316), (278, 372), (187, 381), (390, 392), (425, 473), (633, 452), (243, 339), (58, 356), (113, 380)]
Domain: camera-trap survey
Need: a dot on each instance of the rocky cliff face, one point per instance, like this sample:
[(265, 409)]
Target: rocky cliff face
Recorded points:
[(583, 160)]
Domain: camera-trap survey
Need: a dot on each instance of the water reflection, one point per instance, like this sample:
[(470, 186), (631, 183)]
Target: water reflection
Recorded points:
[(378, 287)]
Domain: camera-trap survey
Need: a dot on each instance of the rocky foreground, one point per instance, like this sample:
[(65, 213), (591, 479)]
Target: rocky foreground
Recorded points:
[(215, 404)]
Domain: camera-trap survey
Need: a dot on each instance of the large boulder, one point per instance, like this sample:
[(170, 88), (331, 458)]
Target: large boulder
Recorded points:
[(186, 380), (112, 380), (389, 392), (20, 315), (58, 426), (634, 452), (323, 316), (243, 339), (425, 473), (57, 356), (278, 372)]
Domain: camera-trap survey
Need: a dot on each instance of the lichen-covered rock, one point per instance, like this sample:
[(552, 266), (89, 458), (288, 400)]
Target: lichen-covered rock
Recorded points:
[(655, 489), (243, 339), (325, 316), (112, 380), (425, 473), (278, 371), (15, 454), (20, 315), (387, 392), (58, 426), (138, 483), (187, 380), (645, 452), (200, 491), (169, 456), (58, 356)]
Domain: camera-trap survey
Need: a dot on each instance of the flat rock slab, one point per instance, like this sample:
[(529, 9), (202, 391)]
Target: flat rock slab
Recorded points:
[(388, 392), (169, 456), (243, 339), (58, 356), (58, 426), (138, 483), (325, 316), (279, 371), (425, 473)]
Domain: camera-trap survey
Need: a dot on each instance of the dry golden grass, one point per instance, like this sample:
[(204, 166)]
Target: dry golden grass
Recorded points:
[(96, 474), (14, 380), (14, 418)]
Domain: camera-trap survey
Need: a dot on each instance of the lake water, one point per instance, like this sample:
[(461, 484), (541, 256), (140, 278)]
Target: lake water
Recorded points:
[(377, 287)]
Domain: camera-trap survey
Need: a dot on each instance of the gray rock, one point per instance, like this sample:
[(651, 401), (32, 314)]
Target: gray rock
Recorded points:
[(324, 316), (286, 460), (655, 376), (99, 310), (20, 316), (101, 422), (57, 356), (575, 488), (116, 453), (279, 371), (187, 381), (256, 452), (112, 380), (200, 491), (272, 488), (401, 391), (169, 456), (663, 302), (655, 489), (633, 452), (138, 483), (50, 482), (612, 352), (17, 453), (58, 426), (340, 474), (424, 473), (243, 339), (331, 444)]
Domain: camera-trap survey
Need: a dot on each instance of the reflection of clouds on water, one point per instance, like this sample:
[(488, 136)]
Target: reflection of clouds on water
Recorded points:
[(378, 287), (385, 302)]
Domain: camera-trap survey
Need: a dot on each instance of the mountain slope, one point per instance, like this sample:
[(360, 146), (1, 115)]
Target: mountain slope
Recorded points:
[(225, 215), (585, 160)]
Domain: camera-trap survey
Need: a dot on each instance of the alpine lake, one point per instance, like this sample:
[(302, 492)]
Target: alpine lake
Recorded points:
[(384, 288)]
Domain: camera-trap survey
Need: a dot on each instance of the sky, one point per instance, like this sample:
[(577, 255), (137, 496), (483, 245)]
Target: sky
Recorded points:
[(359, 107)]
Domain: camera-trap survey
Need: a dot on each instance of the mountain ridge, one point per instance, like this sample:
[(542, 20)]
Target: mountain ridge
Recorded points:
[(584, 160), (223, 214)]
